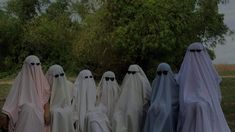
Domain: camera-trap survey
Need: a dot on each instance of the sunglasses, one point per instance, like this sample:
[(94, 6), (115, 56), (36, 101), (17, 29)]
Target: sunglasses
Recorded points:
[(35, 64), (159, 73), (88, 77), (131, 72), (195, 50), (109, 78), (57, 75)]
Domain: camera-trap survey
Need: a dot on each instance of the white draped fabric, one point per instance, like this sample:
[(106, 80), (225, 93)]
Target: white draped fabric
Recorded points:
[(108, 92), (162, 115), (97, 120), (200, 96), (85, 97), (25, 101), (60, 100), (133, 102)]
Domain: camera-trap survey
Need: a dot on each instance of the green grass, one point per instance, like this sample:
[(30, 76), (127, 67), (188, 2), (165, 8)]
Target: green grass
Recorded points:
[(4, 89), (227, 88), (227, 73), (228, 102)]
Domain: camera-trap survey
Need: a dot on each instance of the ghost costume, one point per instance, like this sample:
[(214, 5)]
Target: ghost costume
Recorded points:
[(200, 96), (162, 115), (108, 92), (85, 97), (60, 101), (27, 97), (133, 103), (97, 120)]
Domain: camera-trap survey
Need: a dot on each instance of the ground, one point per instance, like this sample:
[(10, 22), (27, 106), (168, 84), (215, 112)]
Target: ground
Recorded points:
[(227, 88)]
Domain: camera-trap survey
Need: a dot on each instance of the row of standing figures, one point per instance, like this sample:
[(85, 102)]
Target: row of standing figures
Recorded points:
[(188, 101)]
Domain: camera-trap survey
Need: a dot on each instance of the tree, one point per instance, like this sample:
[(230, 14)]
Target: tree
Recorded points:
[(148, 32), (10, 33), (28, 27)]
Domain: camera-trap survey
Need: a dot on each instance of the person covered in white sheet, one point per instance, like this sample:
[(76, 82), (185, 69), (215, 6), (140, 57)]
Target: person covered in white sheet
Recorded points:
[(85, 98), (200, 109), (97, 120), (162, 115), (108, 92), (26, 104), (60, 100), (129, 115)]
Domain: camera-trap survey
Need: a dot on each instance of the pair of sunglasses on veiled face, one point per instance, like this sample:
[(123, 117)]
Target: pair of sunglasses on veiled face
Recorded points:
[(131, 72), (35, 64), (159, 73), (57, 75), (88, 77), (195, 50), (109, 78)]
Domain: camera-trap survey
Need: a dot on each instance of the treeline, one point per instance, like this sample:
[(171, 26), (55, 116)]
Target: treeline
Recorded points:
[(106, 35)]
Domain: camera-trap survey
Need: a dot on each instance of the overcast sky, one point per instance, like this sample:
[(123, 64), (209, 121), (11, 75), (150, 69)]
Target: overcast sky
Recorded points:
[(225, 54)]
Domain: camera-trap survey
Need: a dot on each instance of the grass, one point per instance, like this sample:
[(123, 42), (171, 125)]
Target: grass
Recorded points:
[(228, 101), (227, 89), (4, 89)]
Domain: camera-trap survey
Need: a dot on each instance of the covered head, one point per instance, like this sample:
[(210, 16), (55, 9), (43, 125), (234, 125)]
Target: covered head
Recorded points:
[(108, 91), (85, 95), (29, 87), (197, 68), (162, 115), (133, 101), (164, 82), (60, 89), (199, 93), (134, 71), (136, 79)]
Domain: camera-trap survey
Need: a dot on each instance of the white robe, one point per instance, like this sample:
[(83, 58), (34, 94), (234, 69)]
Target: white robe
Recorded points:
[(108, 92), (60, 101), (162, 115), (27, 97), (97, 120), (199, 96), (85, 98), (133, 102)]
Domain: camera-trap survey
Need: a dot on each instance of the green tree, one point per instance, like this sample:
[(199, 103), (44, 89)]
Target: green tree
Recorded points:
[(10, 33), (147, 32)]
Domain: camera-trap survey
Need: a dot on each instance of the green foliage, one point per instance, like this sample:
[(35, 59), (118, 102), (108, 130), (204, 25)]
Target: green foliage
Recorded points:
[(48, 34), (149, 32), (10, 33), (23, 9), (120, 33)]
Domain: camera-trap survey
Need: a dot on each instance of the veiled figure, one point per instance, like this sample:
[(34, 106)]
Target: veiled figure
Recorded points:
[(97, 120), (60, 100), (85, 98), (200, 96), (108, 92), (133, 103), (162, 115), (25, 102)]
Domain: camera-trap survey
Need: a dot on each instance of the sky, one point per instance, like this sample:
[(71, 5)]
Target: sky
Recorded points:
[(225, 54)]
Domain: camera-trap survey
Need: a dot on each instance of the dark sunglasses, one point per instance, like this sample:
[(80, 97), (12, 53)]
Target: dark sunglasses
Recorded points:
[(195, 50), (57, 75), (35, 64), (88, 77), (131, 72), (109, 78), (159, 73)]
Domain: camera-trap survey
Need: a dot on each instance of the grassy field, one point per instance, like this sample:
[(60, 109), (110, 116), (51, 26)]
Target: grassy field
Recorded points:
[(227, 88), (226, 70), (228, 101)]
